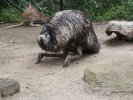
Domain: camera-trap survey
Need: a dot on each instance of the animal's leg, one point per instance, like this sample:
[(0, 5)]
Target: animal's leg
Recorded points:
[(39, 58), (67, 61), (73, 57), (93, 45), (32, 24), (37, 25), (41, 55), (119, 37), (79, 50)]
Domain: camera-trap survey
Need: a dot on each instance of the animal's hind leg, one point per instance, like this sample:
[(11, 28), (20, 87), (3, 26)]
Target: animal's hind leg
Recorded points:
[(71, 56), (93, 45), (32, 24)]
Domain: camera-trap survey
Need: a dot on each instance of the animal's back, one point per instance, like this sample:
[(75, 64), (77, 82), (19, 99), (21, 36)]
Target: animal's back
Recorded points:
[(31, 13), (123, 27), (71, 25), (70, 16)]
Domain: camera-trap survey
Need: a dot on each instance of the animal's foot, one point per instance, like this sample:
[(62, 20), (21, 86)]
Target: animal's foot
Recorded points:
[(39, 58), (67, 61), (37, 25), (65, 65), (34, 25), (119, 38)]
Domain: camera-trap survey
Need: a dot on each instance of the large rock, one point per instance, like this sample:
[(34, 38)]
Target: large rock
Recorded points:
[(114, 77), (123, 29), (8, 87)]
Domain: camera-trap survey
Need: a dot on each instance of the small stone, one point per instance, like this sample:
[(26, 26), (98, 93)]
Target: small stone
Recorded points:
[(90, 77), (8, 87)]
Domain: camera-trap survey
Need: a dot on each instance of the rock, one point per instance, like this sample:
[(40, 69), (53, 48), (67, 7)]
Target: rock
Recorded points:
[(113, 77), (123, 29), (8, 87), (90, 77)]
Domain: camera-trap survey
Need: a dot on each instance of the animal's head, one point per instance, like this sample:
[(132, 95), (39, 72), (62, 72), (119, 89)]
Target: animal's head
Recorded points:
[(113, 26), (47, 40)]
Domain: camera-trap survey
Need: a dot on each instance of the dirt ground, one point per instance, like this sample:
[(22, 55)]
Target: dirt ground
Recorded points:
[(49, 80)]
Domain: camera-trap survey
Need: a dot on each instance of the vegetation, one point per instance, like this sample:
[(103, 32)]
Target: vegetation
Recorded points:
[(98, 10)]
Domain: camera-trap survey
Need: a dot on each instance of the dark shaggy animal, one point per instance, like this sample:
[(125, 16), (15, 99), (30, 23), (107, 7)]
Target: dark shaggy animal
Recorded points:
[(70, 31)]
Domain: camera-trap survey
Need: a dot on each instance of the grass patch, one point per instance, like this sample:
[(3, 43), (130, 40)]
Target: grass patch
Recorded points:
[(10, 15), (121, 12)]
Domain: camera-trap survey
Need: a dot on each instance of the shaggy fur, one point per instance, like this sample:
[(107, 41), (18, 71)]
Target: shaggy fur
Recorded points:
[(123, 29), (66, 31)]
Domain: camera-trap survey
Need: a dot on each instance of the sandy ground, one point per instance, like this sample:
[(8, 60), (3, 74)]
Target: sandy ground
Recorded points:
[(49, 80)]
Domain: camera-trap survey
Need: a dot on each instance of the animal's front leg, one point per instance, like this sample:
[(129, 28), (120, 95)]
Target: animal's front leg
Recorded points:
[(119, 37), (39, 58), (72, 56), (67, 61), (69, 58)]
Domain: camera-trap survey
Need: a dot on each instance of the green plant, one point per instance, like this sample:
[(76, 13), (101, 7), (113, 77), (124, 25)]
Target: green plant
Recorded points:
[(98, 10), (10, 15), (120, 12)]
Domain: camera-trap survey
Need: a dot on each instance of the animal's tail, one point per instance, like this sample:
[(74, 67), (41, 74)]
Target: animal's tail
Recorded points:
[(13, 26)]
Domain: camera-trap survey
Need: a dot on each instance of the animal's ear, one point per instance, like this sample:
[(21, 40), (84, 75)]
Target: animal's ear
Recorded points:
[(30, 4)]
